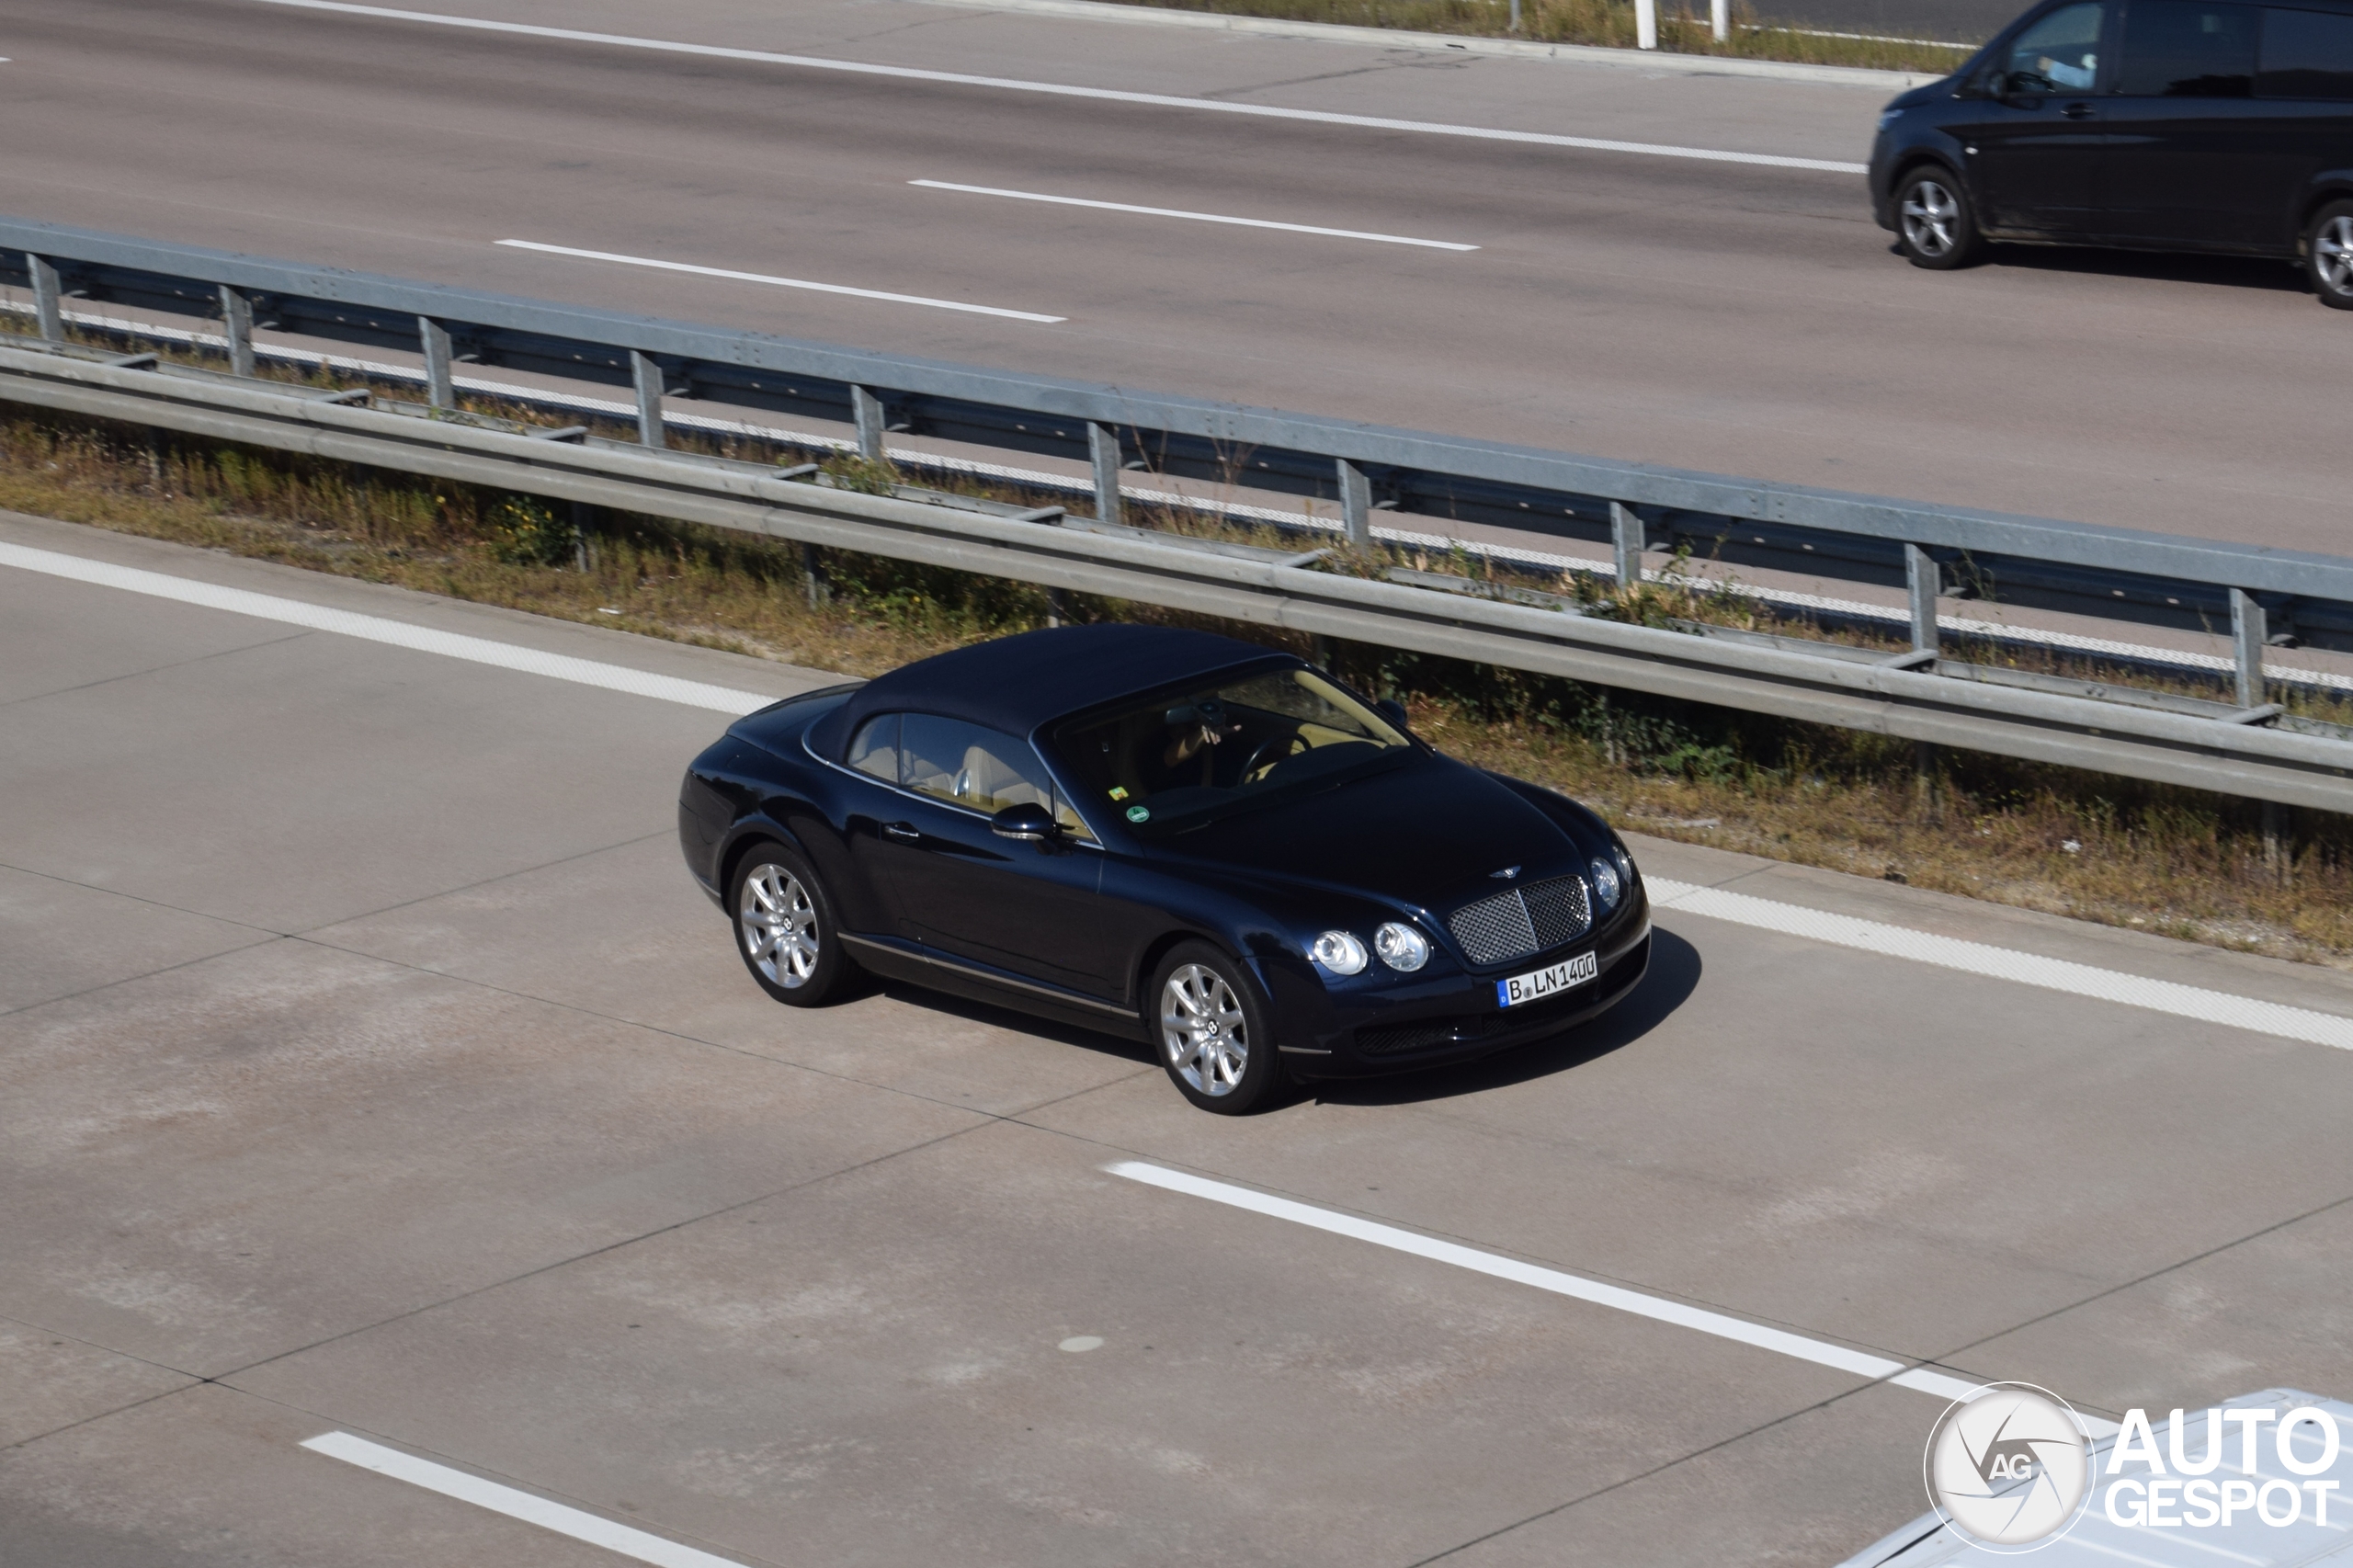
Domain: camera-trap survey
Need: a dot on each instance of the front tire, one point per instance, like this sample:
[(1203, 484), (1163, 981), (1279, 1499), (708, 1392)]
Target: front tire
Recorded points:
[(785, 929), (1934, 224), (2328, 255), (1213, 1030)]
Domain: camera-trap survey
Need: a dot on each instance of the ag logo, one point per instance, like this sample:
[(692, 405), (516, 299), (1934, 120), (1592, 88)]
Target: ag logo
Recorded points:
[(2009, 1468)]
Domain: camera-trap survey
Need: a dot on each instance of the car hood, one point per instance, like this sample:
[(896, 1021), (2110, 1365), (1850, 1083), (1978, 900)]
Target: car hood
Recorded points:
[(1431, 835)]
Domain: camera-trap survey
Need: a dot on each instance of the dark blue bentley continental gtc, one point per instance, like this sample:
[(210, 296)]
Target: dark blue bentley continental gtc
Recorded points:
[(1170, 837)]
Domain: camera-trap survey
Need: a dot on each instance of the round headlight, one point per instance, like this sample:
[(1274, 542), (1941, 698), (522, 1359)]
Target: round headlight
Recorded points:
[(1402, 948), (1340, 952), (1606, 885)]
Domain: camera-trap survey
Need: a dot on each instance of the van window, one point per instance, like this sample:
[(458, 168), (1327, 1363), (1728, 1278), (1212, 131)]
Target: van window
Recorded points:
[(2058, 55), (2306, 54), (2187, 49)]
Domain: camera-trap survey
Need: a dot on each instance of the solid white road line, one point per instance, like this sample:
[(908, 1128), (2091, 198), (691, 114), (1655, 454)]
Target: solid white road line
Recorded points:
[(1778, 1340), (1195, 217), (531, 1509), (779, 282), (1840, 930), (2004, 963), (1057, 89), (377, 629)]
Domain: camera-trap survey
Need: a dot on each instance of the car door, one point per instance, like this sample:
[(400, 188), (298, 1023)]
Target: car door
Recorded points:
[(2305, 79), (2034, 136), (2192, 159), (1031, 908)]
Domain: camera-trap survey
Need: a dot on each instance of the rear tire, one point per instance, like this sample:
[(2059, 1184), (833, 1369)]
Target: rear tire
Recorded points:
[(1934, 226), (2328, 255), (785, 929), (1213, 1030)]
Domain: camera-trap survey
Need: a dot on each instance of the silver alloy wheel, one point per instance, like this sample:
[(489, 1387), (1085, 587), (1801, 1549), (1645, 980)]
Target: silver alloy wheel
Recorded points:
[(1202, 1026), (1932, 220), (2332, 254), (779, 925)]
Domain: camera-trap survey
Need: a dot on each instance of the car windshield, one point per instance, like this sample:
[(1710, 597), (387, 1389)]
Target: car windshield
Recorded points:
[(1177, 762)]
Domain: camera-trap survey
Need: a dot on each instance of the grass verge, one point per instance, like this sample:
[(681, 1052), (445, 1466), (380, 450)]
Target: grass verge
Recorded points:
[(1608, 23), (2172, 861)]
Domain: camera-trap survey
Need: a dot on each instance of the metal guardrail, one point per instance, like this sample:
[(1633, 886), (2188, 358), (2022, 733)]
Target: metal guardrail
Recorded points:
[(2247, 747)]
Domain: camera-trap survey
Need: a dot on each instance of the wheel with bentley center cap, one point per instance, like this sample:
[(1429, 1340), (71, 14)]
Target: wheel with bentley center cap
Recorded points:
[(1210, 1024), (784, 927)]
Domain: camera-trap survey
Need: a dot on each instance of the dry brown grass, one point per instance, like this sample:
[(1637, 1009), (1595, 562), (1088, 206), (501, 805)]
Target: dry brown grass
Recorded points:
[(1608, 23), (2155, 858)]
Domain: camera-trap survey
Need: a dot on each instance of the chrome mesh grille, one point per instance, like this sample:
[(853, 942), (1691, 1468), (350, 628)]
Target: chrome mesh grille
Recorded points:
[(1512, 924), (1494, 929), (1557, 909)]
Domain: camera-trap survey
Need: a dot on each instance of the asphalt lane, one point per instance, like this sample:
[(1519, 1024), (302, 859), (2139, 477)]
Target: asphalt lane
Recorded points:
[(1729, 317), (369, 1064)]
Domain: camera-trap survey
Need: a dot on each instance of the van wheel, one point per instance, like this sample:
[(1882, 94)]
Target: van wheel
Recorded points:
[(2328, 255), (1933, 223)]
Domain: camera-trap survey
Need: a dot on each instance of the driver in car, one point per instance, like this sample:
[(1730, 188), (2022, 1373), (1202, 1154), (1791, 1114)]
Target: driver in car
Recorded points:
[(2066, 75), (1193, 727)]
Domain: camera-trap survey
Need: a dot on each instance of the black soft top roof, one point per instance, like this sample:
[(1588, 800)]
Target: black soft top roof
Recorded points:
[(1016, 684)]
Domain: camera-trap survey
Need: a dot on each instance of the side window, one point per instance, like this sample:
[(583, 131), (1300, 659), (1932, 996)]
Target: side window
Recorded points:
[(2187, 49), (875, 748), (983, 769), (2058, 55), (2306, 54)]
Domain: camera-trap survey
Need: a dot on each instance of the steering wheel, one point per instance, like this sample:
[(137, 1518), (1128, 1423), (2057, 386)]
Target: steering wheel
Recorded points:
[(1285, 745)]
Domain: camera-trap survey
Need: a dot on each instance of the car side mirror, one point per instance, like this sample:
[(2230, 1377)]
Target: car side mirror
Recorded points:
[(1028, 822), (1391, 709)]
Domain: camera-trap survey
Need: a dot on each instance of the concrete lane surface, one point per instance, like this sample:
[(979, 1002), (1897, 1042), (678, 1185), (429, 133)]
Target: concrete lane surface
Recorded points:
[(370, 1065), (1736, 317)]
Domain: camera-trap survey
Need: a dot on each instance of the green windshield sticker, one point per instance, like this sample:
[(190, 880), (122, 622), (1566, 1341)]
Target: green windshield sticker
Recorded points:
[(1138, 813)]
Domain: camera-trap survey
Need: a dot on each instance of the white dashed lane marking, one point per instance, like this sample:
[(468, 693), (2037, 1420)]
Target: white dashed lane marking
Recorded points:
[(529, 1508)]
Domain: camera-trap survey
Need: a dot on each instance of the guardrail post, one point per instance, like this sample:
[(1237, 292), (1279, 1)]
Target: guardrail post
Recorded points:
[(648, 377), (49, 297), (1103, 447), (1924, 577), (1646, 24), (1356, 503), (821, 587), (237, 326), (1626, 540), (440, 376), (1720, 19), (2250, 630), (866, 411)]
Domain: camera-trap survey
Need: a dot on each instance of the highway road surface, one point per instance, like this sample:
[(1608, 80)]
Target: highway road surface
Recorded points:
[(373, 1078), (1742, 316)]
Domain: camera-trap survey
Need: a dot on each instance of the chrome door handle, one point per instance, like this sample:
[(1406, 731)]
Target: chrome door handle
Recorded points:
[(902, 832)]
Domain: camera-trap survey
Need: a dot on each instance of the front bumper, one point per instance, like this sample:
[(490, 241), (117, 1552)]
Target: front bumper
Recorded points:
[(1403, 1029)]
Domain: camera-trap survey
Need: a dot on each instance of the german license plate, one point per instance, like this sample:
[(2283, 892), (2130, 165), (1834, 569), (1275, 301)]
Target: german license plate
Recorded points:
[(1537, 985)]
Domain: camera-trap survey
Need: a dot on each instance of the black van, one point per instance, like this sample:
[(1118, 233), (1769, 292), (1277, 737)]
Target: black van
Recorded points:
[(2194, 125)]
